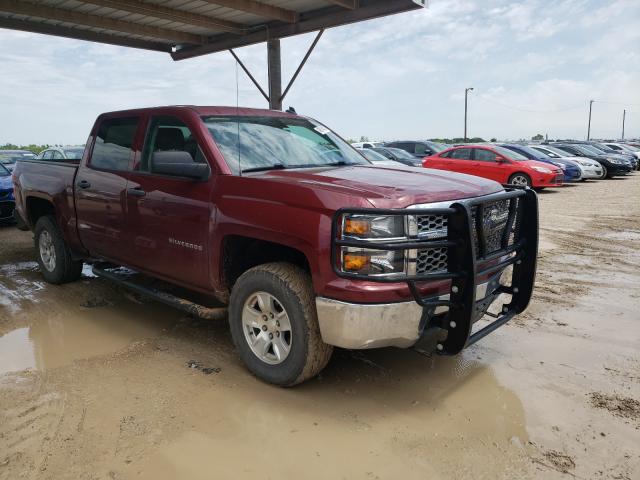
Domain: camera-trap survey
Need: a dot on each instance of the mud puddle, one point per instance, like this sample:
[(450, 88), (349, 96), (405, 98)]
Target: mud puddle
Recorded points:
[(55, 338)]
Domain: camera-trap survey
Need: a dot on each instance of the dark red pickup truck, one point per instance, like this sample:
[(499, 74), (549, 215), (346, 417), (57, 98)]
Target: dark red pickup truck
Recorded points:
[(278, 218)]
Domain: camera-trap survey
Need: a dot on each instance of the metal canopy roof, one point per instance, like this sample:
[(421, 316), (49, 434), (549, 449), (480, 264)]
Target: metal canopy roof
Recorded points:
[(189, 28)]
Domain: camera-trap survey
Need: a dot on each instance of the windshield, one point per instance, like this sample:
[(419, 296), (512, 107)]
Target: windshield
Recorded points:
[(629, 148), (557, 151), (533, 152), (505, 152), (399, 153), (602, 148), (588, 149), (269, 143), (373, 156), (438, 147), (73, 153)]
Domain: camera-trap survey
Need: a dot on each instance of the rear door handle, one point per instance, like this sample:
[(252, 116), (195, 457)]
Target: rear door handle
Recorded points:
[(83, 184), (136, 192)]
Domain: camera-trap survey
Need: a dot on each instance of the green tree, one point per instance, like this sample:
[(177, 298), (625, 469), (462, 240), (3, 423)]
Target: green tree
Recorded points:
[(538, 137)]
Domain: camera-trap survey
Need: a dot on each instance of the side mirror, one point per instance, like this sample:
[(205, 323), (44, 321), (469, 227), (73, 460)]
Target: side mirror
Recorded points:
[(179, 164), (500, 159)]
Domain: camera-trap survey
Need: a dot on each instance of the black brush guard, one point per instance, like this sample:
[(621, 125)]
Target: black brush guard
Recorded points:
[(453, 330)]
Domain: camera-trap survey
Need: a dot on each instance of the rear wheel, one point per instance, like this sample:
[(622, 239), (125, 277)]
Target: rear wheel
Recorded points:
[(520, 179), (274, 324), (56, 264)]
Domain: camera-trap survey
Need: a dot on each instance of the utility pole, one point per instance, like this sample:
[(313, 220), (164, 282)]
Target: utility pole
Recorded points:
[(624, 114), (589, 126), (466, 93), (275, 75)]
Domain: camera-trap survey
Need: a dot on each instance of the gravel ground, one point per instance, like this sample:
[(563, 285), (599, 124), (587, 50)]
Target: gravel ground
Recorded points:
[(97, 384)]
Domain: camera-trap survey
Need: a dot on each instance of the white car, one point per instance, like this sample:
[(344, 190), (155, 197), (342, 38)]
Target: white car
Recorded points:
[(590, 168), (378, 159), (361, 145)]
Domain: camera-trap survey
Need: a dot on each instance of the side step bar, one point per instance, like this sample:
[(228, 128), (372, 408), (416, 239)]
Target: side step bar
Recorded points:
[(161, 296)]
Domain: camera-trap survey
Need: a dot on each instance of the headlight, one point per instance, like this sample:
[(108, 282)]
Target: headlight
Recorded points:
[(369, 227), (541, 169), (584, 164), (615, 160), (370, 261), (365, 261)]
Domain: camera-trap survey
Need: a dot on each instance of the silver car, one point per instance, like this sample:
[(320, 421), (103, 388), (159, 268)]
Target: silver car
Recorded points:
[(590, 168), (61, 154)]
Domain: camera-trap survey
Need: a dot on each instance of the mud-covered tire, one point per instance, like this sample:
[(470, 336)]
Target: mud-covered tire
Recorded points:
[(292, 288), (58, 266)]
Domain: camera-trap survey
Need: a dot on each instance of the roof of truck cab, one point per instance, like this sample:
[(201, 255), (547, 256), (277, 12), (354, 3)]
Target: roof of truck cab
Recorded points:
[(206, 110)]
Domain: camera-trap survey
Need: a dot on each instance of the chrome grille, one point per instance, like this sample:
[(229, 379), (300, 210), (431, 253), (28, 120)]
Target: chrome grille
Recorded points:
[(432, 226), (432, 260)]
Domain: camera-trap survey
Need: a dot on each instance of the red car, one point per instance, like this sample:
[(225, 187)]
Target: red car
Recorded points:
[(496, 163)]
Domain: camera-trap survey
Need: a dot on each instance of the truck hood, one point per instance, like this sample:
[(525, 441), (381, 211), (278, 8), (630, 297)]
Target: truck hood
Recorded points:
[(388, 187)]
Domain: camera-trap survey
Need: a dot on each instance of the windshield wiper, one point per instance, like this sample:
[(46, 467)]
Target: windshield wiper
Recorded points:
[(341, 163), (275, 166)]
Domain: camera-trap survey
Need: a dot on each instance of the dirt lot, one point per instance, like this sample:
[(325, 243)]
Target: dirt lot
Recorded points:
[(96, 385)]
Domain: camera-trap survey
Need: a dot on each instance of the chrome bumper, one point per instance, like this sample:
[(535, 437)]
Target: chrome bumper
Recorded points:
[(359, 326)]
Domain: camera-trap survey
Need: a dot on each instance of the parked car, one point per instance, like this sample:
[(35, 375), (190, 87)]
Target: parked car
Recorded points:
[(8, 158), (622, 148), (571, 171), (7, 201), (418, 149), (377, 159), (590, 168), (278, 218), (366, 144), (61, 153), (496, 163), (399, 155), (627, 156), (611, 165)]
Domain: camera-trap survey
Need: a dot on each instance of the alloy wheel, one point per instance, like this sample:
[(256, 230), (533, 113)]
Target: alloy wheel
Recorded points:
[(267, 328)]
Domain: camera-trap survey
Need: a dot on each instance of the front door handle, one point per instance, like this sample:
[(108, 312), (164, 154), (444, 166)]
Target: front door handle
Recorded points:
[(84, 184), (136, 192)]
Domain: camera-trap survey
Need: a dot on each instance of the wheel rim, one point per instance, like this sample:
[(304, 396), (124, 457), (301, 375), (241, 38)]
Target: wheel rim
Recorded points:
[(47, 251), (520, 180), (267, 328), (604, 172)]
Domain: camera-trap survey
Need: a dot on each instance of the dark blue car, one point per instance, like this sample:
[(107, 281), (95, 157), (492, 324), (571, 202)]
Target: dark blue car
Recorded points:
[(570, 170), (7, 201)]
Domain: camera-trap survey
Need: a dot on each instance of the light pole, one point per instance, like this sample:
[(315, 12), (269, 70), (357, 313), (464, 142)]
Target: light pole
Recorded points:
[(624, 114), (589, 125), (466, 93)]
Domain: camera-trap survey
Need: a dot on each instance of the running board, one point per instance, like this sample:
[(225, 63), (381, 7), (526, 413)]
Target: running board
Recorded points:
[(196, 309)]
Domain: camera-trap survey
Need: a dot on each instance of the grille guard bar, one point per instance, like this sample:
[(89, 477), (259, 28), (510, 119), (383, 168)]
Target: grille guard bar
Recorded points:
[(463, 263)]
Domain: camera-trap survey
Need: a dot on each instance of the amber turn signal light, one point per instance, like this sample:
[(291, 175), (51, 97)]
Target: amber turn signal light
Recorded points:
[(354, 262), (354, 226)]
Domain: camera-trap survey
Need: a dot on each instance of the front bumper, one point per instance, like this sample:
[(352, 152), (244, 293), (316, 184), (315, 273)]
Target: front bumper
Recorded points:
[(591, 172), (475, 275)]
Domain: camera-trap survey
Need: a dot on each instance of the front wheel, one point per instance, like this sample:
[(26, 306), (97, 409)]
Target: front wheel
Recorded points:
[(54, 258), (520, 179), (274, 324), (605, 172)]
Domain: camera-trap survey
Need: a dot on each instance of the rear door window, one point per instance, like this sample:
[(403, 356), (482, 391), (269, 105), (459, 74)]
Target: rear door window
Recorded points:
[(113, 146), (48, 155), (422, 149)]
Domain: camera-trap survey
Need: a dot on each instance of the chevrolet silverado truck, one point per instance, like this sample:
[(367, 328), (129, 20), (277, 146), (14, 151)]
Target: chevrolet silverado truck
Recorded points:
[(303, 244)]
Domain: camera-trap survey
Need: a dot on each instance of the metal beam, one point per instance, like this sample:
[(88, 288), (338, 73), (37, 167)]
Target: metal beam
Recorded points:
[(259, 9), (350, 4), (68, 32), (324, 18), (274, 65), (171, 14), (302, 63), (251, 77), (95, 21)]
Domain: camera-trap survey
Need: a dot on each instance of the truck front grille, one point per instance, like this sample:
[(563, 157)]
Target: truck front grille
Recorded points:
[(495, 219)]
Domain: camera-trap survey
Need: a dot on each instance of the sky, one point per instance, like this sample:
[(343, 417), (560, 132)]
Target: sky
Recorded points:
[(534, 65)]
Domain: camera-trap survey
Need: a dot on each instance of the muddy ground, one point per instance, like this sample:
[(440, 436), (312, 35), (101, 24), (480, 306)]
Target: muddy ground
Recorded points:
[(96, 385)]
